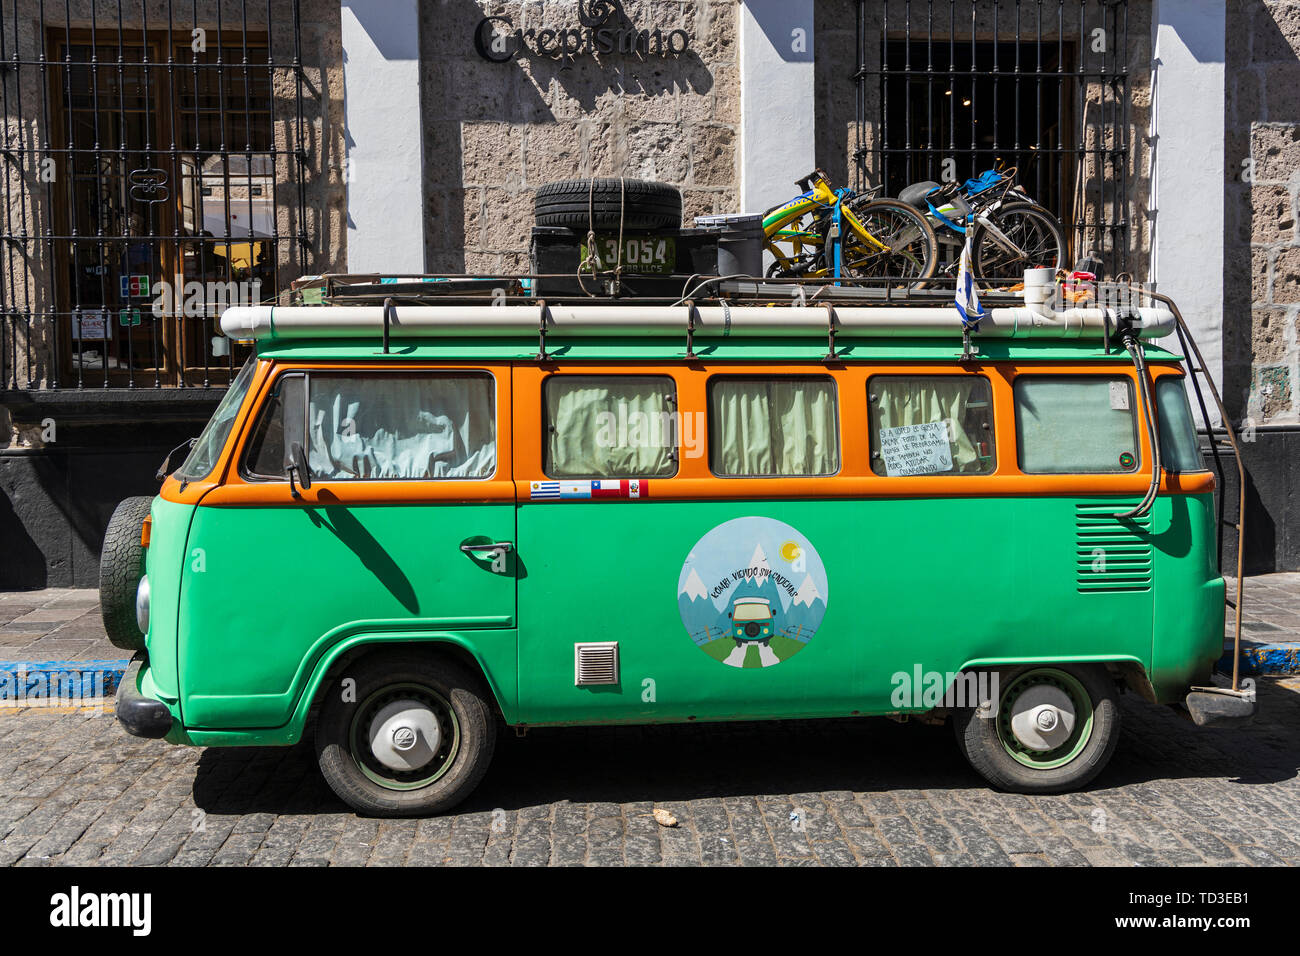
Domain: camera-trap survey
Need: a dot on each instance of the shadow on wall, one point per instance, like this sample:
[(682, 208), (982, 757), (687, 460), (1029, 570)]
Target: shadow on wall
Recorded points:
[(549, 116), (1262, 77), (55, 502)]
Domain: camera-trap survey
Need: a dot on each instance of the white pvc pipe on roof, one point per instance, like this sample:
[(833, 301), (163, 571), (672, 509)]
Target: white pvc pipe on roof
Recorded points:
[(1033, 320), (350, 321)]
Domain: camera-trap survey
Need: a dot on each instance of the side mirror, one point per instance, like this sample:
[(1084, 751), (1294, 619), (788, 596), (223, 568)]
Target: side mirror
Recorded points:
[(298, 469)]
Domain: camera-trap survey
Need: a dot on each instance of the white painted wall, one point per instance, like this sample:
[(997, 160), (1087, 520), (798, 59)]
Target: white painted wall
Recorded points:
[(1187, 173), (382, 120), (776, 100)]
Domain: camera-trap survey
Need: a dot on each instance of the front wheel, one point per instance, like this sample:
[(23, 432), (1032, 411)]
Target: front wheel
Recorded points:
[(405, 734), (904, 245), (1033, 240), (1055, 729)]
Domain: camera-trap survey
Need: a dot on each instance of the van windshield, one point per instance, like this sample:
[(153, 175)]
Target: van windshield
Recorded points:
[(203, 456), (753, 612)]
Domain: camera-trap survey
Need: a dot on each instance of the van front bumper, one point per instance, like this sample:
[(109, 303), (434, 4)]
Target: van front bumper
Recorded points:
[(140, 716)]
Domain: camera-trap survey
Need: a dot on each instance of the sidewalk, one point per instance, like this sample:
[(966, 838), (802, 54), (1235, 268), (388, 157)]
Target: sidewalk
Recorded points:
[(61, 627)]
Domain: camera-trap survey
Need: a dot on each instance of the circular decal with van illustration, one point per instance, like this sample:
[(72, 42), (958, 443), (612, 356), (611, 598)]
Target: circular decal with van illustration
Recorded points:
[(752, 592)]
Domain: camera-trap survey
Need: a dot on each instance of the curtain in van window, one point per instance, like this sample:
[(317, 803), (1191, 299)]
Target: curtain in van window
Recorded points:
[(922, 401), (616, 426), (780, 426), (402, 426)]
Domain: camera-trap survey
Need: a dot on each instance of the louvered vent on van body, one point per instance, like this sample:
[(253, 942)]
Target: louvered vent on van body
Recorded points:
[(1111, 554), (595, 663)]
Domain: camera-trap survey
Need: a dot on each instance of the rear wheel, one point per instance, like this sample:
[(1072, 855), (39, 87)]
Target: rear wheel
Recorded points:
[(1036, 235), (1055, 729), (405, 734), (911, 250)]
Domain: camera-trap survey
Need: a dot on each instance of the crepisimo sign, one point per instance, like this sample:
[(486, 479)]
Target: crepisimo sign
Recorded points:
[(603, 29)]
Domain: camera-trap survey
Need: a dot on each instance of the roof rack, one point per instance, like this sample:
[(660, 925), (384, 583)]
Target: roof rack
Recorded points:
[(738, 307)]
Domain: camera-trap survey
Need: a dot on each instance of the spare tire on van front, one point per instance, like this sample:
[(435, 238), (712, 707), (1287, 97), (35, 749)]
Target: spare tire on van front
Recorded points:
[(603, 204), (121, 565)]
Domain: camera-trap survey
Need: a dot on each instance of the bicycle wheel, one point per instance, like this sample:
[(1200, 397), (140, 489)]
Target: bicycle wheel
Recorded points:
[(911, 249), (1032, 229)]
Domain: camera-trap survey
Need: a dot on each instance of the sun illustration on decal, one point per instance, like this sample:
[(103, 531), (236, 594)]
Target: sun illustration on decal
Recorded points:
[(742, 610)]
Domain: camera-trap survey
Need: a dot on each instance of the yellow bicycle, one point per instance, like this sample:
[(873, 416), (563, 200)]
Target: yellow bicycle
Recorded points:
[(829, 232)]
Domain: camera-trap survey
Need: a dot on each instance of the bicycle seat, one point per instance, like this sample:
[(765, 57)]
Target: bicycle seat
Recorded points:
[(914, 195)]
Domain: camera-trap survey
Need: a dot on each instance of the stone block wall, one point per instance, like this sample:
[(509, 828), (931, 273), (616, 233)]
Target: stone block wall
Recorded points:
[(494, 132), (1262, 247)]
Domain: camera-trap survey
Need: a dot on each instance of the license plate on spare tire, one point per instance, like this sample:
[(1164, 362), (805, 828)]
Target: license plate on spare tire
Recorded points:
[(650, 254)]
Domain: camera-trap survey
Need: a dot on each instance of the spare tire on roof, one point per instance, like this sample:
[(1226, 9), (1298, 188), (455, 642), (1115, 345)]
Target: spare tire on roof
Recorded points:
[(600, 204)]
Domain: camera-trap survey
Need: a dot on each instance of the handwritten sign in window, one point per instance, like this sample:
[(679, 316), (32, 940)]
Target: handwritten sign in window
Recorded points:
[(916, 449)]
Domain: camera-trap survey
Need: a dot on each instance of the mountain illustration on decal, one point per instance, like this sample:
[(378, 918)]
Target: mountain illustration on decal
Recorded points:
[(693, 587), (758, 582), (807, 593), (698, 612)]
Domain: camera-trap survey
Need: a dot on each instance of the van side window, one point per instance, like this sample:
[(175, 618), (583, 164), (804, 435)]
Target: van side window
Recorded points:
[(610, 426), (768, 427), (266, 456), (1082, 424), (1180, 449), (931, 425), (411, 425)]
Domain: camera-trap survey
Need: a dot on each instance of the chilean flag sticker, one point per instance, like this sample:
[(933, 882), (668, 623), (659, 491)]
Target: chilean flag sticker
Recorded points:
[(619, 488), (607, 489)]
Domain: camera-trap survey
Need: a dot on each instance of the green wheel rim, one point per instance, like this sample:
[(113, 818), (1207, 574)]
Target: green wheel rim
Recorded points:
[(386, 777), (1083, 714)]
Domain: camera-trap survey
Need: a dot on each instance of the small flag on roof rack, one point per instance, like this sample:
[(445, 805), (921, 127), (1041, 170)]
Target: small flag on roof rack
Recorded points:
[(968, 301)]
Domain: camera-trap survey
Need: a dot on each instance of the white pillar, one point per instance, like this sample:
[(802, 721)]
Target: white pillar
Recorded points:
[(777, 105), (1187, 175), (382, 120)]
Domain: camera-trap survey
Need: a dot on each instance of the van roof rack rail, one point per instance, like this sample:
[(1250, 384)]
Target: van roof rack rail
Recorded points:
[(502, 307)]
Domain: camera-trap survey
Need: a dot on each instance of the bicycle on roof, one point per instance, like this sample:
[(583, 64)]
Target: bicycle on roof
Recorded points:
[(1012, 232), (838, 233)]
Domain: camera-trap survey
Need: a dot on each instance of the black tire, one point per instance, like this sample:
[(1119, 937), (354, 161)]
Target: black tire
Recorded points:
[(600, 204), (914, 250), (1033, 229), (981, 743), (465, 747), (121, 565)]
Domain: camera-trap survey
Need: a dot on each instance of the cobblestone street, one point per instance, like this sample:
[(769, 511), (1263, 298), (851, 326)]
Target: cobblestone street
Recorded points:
[(74, 788)]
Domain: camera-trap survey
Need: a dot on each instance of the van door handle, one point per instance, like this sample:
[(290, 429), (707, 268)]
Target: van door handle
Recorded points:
[(490, 546)]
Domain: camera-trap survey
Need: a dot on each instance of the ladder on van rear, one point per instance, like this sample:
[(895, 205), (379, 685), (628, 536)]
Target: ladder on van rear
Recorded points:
[(1196, 371)]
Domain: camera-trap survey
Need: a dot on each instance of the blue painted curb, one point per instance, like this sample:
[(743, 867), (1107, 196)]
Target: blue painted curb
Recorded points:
[(1261, 658), (60, 680)]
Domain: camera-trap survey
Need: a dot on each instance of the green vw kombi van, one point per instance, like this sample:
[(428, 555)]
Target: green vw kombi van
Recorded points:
[(409, 524)]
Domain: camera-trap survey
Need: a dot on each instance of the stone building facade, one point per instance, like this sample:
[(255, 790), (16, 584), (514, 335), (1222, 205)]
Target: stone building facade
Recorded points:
[(496, 131), (1262, 265), (398, 145)]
